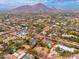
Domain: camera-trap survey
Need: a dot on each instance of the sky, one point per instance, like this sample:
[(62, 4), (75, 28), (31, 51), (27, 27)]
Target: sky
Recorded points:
[(61, 4)]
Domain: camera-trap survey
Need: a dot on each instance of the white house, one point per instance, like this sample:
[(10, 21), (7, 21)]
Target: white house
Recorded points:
[(66, 48)]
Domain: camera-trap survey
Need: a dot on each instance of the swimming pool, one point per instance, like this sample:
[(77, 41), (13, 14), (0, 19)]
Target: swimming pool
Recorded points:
[(26, 57)]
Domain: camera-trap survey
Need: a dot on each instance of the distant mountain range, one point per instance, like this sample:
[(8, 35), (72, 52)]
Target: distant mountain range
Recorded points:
[(37, 8)]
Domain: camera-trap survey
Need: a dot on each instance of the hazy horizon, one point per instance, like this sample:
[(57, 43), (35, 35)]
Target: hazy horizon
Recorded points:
[(60, 4)]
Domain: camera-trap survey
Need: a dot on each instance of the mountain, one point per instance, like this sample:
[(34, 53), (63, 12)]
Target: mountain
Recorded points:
[(37, 8)]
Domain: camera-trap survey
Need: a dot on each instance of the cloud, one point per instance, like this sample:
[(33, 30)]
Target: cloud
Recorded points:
[(65, 0)]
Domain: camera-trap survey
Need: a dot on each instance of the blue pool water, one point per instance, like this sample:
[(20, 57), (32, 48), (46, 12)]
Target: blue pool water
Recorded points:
[(26, 57)]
